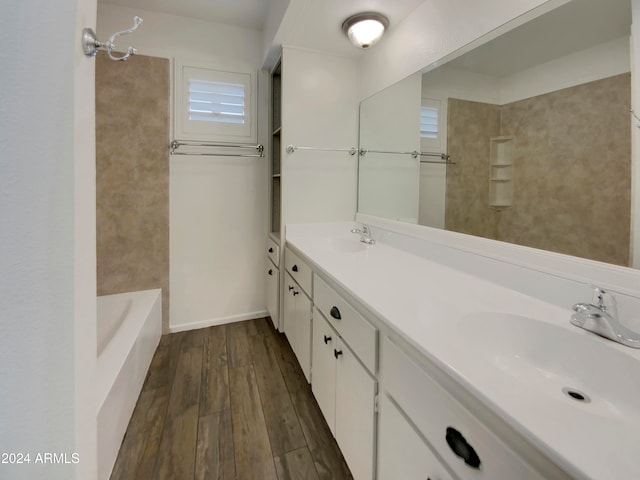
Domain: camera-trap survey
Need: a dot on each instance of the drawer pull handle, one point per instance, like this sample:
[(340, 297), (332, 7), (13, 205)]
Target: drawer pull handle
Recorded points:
[(270, 271), (270, 249), (294, 268), (295, 292), (337, 353), (290, 288), (327, 339), (461, 448), (335, 313)]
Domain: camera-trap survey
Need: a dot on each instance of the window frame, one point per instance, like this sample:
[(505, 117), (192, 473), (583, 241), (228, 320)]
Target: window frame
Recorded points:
[(186, 129), (437, 144)]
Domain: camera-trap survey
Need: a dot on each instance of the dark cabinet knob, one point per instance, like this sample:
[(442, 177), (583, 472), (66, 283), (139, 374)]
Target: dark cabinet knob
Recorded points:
[(337, 353), (327, 339), (270, 249), (290, 288), (335, 313), (294, 268), (295, 292), (461, 448), (270, 271)]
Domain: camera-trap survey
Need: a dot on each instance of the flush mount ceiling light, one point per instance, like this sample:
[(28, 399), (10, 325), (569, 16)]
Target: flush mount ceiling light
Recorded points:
[(365, 29)]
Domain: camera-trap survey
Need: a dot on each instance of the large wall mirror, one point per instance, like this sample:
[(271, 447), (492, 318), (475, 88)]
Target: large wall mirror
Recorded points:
[(525, 139)]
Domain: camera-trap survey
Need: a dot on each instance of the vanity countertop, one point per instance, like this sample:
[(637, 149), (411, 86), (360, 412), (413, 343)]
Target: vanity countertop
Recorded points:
[(424, 302)]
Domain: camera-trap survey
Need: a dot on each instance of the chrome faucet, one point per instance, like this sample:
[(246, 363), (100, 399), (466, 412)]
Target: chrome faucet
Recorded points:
[(365, 234), (602, 320)]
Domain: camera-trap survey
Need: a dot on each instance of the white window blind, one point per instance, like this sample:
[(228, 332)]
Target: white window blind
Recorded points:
[(216, 102), (432, 127), (214, 105), (428, 122)]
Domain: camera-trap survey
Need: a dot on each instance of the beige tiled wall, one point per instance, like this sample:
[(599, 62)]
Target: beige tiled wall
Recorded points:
[(132, 137), (470, 125), (572, 185)]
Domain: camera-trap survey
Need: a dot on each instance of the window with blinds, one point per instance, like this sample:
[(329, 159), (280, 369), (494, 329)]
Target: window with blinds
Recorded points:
[(216, 102), (214, 105), (428, 122), (432, 127)]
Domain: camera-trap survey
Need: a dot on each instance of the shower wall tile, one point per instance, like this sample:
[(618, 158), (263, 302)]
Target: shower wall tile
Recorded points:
[(132, 170), (573, 171), (572, 183), (470, 125)]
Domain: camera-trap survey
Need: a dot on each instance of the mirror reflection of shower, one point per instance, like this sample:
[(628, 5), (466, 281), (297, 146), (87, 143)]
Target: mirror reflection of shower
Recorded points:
[(533, 124)]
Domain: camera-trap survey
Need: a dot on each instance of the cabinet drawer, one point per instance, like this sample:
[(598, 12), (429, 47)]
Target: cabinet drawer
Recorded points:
[(357, 332), (273, 251), (435, 412), (299, 270), (401, 452)]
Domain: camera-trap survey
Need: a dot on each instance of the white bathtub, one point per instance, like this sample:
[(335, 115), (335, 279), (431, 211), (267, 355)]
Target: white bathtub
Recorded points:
[(129, 329)]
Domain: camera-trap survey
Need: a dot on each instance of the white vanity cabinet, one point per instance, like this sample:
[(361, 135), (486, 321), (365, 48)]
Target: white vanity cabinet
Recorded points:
[(345, 392), (343, 381), (297, 309), (445, 423), (402, 453)]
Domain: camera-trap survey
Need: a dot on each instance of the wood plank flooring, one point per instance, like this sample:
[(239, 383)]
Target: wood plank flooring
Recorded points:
[(228, 403)]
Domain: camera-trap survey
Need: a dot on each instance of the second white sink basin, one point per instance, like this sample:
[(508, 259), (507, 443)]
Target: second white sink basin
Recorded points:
[(346, 245), (550, 363)]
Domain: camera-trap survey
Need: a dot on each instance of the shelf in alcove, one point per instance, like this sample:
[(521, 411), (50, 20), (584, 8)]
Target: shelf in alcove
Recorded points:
[(501, 172), (277, 131), (276, 175)]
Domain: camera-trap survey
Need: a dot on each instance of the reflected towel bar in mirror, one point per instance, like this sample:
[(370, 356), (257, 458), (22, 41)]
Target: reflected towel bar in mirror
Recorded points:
[(351, 151)]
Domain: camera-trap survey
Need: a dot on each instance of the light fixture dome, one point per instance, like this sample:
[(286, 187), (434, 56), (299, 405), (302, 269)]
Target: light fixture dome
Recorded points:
[(365, 29)]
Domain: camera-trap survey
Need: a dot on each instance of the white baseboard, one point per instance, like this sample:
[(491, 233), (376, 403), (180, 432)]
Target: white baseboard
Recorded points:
[(217, 321)]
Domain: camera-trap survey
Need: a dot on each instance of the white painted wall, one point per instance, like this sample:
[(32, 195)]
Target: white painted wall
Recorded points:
[(47, 231), (433, 176), (435, 29), (319, 109), (163, 35), (217, 204), (390, 121), (85, 274), (595, 63)]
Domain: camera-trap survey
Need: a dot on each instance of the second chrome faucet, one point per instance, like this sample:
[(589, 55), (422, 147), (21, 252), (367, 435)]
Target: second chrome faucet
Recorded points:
[(365, 234), (602, 319)]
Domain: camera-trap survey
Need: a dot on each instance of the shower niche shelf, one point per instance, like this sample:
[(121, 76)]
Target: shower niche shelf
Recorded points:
[(501, 172)]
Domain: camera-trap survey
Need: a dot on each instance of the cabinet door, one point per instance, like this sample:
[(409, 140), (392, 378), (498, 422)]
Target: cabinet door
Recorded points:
[(289, 308), (302, 342), (355, 393), (323, 380), (273, 280), (401, 451), (297, 323)]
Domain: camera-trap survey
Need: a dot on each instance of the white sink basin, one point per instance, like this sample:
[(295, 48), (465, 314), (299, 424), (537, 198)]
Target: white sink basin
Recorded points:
[(546, 362), (346, 245)]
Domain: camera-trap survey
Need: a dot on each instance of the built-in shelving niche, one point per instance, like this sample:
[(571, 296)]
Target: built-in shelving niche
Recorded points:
[(276, 123), (501, 172)]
